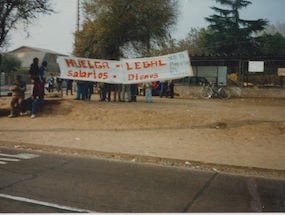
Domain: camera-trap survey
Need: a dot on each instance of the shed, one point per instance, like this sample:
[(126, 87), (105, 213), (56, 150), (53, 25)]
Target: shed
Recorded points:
[(26, 55)]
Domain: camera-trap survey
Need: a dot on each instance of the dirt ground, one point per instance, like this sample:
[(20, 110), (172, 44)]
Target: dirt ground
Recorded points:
[(247, 133)]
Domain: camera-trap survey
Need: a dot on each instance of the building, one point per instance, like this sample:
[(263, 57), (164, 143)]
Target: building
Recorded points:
[(217, 67), (26, 55)]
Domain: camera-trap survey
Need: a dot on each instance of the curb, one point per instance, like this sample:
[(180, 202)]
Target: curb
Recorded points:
[(144, 159)]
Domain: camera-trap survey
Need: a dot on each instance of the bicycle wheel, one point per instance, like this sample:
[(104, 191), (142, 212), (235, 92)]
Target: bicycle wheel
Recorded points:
[(206, 92), (224, 93)]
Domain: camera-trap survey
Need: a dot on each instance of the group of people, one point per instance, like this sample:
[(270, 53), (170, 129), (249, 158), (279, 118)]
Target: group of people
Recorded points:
[(119, 90), (53, 82), (149, 88), (85, 90), (21, 106)]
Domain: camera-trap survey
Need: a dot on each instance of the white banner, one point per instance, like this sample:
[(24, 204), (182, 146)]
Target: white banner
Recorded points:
[(168, 67)]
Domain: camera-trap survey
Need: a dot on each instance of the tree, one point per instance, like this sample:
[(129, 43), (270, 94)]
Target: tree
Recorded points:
[(229, 33), (193, 42), (154, 21), (273, 29), (272, 44), (105, 30), (111, 25), (15, 11), (9, 64)]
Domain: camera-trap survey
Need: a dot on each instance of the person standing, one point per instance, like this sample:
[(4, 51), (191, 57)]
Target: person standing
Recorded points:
[(59, 83), (32, 102), (124, 89), (81, 90), (42, 77), (69, 86), (89, 90), (148, 91), (108, 89), (50, 82), (165, 89), (134, 92), (42, 71), (160, 88), (117, 90), (18, 95), (34, 69), (102, 91), (129, 93), (171, 89)]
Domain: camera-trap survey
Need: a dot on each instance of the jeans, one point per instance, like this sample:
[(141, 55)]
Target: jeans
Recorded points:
[(32, 104), (81, 91), (148, 95)]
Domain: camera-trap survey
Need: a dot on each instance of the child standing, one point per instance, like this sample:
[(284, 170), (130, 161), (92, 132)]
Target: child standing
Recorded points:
[(50, 82), (148, 91)]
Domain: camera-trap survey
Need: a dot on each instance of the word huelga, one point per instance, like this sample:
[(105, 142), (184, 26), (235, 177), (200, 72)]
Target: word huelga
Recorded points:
[(87, 64)]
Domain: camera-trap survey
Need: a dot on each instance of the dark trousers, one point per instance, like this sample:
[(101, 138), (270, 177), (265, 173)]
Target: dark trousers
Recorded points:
[(69, 87), (134, 92), (16, 106), (89, 91)]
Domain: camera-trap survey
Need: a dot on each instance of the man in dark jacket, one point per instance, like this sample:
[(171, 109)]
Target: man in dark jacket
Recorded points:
[(32, 102), (34, 69)]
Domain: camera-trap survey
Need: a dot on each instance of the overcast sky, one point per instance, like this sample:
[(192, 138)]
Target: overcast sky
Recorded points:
[(55, 32)]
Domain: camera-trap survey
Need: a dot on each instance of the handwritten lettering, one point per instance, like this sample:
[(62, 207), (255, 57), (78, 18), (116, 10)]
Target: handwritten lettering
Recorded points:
[(87, 64), (82, 74), (145, 64), (132, 77), (129, 71)]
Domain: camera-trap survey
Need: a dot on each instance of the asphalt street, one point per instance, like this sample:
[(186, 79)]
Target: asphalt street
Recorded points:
[(37, 182)]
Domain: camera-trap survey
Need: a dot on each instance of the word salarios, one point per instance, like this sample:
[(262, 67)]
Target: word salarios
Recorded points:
[(90, 75)]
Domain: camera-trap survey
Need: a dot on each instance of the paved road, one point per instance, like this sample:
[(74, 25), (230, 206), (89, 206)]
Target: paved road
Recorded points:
[(40, 182)]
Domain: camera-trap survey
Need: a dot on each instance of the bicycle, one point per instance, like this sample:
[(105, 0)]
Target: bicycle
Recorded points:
[(212, 90)]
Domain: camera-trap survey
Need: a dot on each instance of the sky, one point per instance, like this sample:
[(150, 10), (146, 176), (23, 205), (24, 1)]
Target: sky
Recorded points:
[(56, 32)]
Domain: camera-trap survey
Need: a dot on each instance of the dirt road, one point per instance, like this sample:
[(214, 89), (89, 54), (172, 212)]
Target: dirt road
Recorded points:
[(239, 132)]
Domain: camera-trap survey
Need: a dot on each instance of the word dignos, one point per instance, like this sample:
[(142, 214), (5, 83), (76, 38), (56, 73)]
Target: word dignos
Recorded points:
[(132, 77)]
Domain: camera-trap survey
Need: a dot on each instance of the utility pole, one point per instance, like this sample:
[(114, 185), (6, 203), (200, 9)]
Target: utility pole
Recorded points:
[(78, 15), (0, 82)]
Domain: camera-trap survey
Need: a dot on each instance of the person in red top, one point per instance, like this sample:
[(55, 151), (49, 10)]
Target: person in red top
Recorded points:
[(32, 102)]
